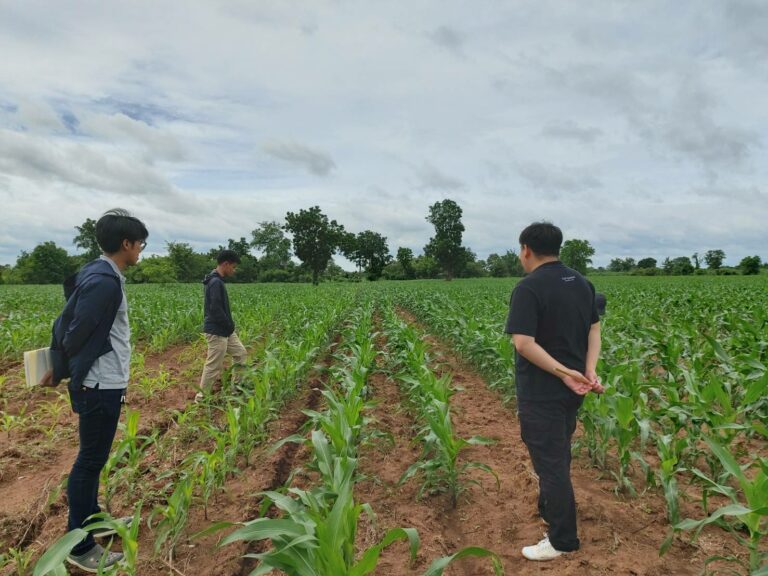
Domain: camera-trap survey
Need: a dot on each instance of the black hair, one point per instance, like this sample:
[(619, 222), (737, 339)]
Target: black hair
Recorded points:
[(117, 225), (544, 238), (228, 256)]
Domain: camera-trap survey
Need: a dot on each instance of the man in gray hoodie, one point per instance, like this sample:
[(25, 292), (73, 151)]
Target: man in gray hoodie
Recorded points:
[(218, 326)]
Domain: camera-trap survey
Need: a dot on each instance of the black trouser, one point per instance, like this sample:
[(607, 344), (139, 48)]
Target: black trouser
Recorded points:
[(546, 428), (99, 412)]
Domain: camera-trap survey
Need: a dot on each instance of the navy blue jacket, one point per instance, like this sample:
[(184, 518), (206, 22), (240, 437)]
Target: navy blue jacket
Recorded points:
[(81, 332), (218, 318)]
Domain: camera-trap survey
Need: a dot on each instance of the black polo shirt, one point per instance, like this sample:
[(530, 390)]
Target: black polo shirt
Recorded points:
[(555, 305)]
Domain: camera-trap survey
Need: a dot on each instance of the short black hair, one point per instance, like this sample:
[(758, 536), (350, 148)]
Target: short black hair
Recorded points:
[(544, 238), (117, 225), (228, 256)]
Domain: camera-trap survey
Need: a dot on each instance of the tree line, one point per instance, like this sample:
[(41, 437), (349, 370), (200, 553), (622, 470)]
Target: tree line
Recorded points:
[(315, 239), (684, 265), (267, 255)]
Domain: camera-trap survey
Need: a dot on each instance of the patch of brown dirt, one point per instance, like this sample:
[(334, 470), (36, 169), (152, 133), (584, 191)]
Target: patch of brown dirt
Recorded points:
[(33, 463), (240, 501)]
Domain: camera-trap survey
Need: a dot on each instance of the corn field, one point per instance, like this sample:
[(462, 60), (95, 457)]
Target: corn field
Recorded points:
[(684, 420)]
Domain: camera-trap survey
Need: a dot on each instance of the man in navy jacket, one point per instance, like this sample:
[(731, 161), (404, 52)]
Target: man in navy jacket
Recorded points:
[(218, 325), (91, 345)]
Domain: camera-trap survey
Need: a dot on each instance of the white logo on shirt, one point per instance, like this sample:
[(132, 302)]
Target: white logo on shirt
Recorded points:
[(568, 278)]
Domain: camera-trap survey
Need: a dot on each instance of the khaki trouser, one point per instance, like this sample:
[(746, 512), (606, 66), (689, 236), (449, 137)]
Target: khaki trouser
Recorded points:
[(218, 348)]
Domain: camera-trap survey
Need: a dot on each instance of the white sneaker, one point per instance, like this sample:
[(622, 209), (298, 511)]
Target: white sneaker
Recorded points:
[(541, 551)]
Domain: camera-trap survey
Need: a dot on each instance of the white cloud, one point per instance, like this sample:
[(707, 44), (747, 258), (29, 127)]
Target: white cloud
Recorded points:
[(639, 126)]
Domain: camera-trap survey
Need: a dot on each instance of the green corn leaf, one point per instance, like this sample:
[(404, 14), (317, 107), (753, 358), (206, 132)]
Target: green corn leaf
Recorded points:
[(727, 460), (213, 528), (370, 559), (437, 567), (719, 351), (481, 441), (757, 390), (730, 510), (262, 528), (55, 555)]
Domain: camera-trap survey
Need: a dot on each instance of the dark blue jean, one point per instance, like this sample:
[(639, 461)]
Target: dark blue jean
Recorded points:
[(546, 429), (99, 412)]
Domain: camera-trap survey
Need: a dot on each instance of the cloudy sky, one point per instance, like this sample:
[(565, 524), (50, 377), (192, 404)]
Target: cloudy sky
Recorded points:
[(640, 126)]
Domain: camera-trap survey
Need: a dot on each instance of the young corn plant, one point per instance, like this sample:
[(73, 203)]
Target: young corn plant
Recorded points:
[(316, 535), (430, 395), (748, 511), (123, 466), (172, 517), (440, 461)]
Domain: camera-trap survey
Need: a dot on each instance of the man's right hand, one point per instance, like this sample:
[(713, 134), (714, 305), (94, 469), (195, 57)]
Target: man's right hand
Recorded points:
[(47, 380), (575, 380), (597, 386)]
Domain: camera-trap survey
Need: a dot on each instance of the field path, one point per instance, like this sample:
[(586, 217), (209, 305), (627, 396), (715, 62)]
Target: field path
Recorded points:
[(617, 537)]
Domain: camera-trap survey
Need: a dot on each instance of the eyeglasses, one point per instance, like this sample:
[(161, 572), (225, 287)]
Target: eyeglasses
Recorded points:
[(143, 245)]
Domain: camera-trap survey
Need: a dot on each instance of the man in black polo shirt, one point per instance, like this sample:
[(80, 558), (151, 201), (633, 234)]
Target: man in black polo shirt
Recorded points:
[(555, 328)]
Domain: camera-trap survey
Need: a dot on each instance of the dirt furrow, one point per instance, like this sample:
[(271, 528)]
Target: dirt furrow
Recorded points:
[(618, 537)]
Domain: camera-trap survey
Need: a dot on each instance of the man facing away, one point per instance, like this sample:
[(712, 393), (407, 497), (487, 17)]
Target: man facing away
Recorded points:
[(555, 328), (91, 345), (218, 326)]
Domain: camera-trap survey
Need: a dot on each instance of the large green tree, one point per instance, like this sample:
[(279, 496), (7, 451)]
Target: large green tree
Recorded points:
[(622, 265), (152, 270), (315, 238), (371, 253), (505, 265), (46, 264), (270, 239), (188, 265), (405, 258), (714, 259), (680, 266), (577, 254), (445, 246), (750, 265), (86, 239), (647, 263)]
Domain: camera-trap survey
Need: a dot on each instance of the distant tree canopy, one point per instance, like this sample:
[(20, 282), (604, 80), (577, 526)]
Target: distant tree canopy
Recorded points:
[(275, 247), (86, 239), (445, 246), (188, 265), (750, 265), (370, 252), (46, 264), (405, 258), (503, 266), (680, 266), (714, 259), (577, 254), (315, 238), (623, 265)]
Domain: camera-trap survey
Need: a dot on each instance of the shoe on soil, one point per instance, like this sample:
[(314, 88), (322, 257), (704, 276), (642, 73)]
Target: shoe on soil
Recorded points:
[(106, 531), (541, 551), (90, 561), (199, 397)]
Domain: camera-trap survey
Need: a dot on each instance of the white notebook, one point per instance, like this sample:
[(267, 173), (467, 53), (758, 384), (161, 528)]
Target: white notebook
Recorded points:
[(36, 364)]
